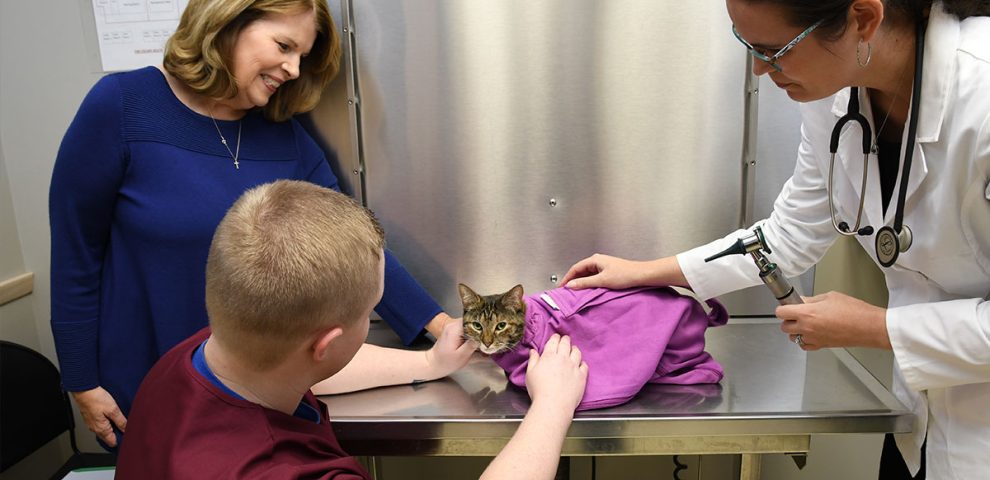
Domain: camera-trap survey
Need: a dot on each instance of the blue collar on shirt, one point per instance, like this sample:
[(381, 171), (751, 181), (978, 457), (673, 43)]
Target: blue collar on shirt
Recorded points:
[(304, 411)]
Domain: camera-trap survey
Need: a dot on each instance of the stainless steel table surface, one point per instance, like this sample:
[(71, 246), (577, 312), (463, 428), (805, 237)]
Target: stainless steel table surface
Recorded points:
[(773, 398)]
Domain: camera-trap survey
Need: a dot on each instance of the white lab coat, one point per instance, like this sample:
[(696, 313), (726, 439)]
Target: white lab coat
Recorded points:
[(938, 318)]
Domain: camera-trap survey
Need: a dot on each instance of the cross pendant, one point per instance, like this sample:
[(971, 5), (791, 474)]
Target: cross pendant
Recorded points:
[(237, 166)]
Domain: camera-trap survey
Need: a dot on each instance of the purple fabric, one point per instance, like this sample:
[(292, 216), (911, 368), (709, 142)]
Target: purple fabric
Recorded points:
[(628, 338)]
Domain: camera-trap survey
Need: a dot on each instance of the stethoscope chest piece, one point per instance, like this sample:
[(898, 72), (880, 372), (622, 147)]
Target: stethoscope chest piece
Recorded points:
[(889, 244)]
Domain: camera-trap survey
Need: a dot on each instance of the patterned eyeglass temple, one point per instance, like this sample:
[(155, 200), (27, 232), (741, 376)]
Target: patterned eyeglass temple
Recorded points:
[(772, 59)]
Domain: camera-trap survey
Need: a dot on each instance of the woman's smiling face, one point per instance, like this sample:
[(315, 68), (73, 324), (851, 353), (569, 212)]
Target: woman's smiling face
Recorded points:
[(267, 53)]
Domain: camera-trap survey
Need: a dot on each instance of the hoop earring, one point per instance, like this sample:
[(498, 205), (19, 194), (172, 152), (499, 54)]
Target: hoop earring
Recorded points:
[(869, 54)]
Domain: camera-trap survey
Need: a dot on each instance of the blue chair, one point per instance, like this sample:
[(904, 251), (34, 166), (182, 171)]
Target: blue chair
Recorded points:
[(34, 410)]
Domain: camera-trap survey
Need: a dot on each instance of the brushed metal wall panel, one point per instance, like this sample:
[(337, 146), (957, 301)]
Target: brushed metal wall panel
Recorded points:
[(479, 113), (504, 140), (333, 122)]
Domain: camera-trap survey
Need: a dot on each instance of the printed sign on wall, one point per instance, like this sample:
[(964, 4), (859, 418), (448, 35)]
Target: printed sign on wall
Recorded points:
[(132, 33)]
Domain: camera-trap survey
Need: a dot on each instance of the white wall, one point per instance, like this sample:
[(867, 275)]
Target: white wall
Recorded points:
[(17, 317), (45, 71), (18, 325), (44, 75)]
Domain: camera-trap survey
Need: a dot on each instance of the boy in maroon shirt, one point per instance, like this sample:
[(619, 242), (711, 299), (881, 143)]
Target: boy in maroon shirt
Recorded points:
[(293, 273)]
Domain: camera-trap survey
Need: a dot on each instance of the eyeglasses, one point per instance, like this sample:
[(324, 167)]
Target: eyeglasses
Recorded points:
[(772, 59)]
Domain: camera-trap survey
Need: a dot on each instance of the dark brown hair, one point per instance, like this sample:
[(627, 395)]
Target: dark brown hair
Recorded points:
[(802, 13)]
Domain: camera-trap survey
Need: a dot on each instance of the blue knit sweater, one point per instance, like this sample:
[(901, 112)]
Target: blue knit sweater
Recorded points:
[(139, 186)]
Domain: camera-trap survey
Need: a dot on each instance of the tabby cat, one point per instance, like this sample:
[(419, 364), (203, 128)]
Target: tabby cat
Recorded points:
[(495, 322)]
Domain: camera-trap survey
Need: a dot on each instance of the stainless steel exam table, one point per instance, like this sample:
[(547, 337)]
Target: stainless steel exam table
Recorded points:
[(773, 398)]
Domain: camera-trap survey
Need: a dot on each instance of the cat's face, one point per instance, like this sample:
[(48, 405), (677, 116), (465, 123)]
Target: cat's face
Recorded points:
[(495, 322)]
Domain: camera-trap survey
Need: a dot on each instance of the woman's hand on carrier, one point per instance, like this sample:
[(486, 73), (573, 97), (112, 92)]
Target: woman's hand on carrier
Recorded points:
[(603, 271), (618, 273)]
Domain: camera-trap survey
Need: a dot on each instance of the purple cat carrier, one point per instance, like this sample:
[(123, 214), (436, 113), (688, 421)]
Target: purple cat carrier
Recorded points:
[(628, 338)]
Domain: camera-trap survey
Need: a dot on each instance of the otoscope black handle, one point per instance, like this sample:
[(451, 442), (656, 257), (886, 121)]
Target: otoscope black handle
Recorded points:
[(791, 299)]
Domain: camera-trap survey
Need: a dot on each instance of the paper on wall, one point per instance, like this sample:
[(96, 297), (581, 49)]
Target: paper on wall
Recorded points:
[(132, 33)]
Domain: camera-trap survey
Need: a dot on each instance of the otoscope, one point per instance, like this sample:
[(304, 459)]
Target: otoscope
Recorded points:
[(755, 245)]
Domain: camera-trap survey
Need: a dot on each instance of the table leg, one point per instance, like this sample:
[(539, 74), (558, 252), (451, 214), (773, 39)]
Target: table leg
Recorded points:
[(750, 468), (563, 469), (374, 466)]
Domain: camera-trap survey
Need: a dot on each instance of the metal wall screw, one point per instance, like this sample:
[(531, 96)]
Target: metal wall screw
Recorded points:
[(553, 278), (553, 202)]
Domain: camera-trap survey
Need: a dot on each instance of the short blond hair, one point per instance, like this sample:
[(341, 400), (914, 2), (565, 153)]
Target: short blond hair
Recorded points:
[(288, 259), (198, 52)]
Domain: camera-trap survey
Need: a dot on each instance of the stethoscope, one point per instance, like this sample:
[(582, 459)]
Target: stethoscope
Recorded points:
[(890, 241)]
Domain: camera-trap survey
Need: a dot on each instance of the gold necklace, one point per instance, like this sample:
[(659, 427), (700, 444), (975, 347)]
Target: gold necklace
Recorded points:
[(875, 149), (237, 151)]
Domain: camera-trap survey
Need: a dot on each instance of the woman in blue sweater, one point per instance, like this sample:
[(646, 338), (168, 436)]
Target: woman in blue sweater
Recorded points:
[(149, 166)]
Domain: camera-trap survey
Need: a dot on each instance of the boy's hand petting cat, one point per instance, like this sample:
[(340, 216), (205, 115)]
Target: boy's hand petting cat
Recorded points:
[(451, 352), (558, 376)]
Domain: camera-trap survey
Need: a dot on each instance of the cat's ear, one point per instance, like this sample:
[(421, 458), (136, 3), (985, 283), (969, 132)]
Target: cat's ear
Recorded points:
[(468, 298), (513, 299)]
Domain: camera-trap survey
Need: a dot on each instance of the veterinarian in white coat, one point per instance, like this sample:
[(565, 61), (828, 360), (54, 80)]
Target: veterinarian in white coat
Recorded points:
[(937, 321)]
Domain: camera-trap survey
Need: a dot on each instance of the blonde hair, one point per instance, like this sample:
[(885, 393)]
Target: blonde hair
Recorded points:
[(288, 259), (198, 51)]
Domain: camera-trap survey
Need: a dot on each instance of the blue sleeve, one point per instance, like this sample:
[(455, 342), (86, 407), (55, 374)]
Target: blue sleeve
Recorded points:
[(88, 172), (405, 305)]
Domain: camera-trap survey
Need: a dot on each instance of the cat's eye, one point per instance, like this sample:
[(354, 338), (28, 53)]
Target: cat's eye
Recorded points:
[(500, 326), (476, 326)]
